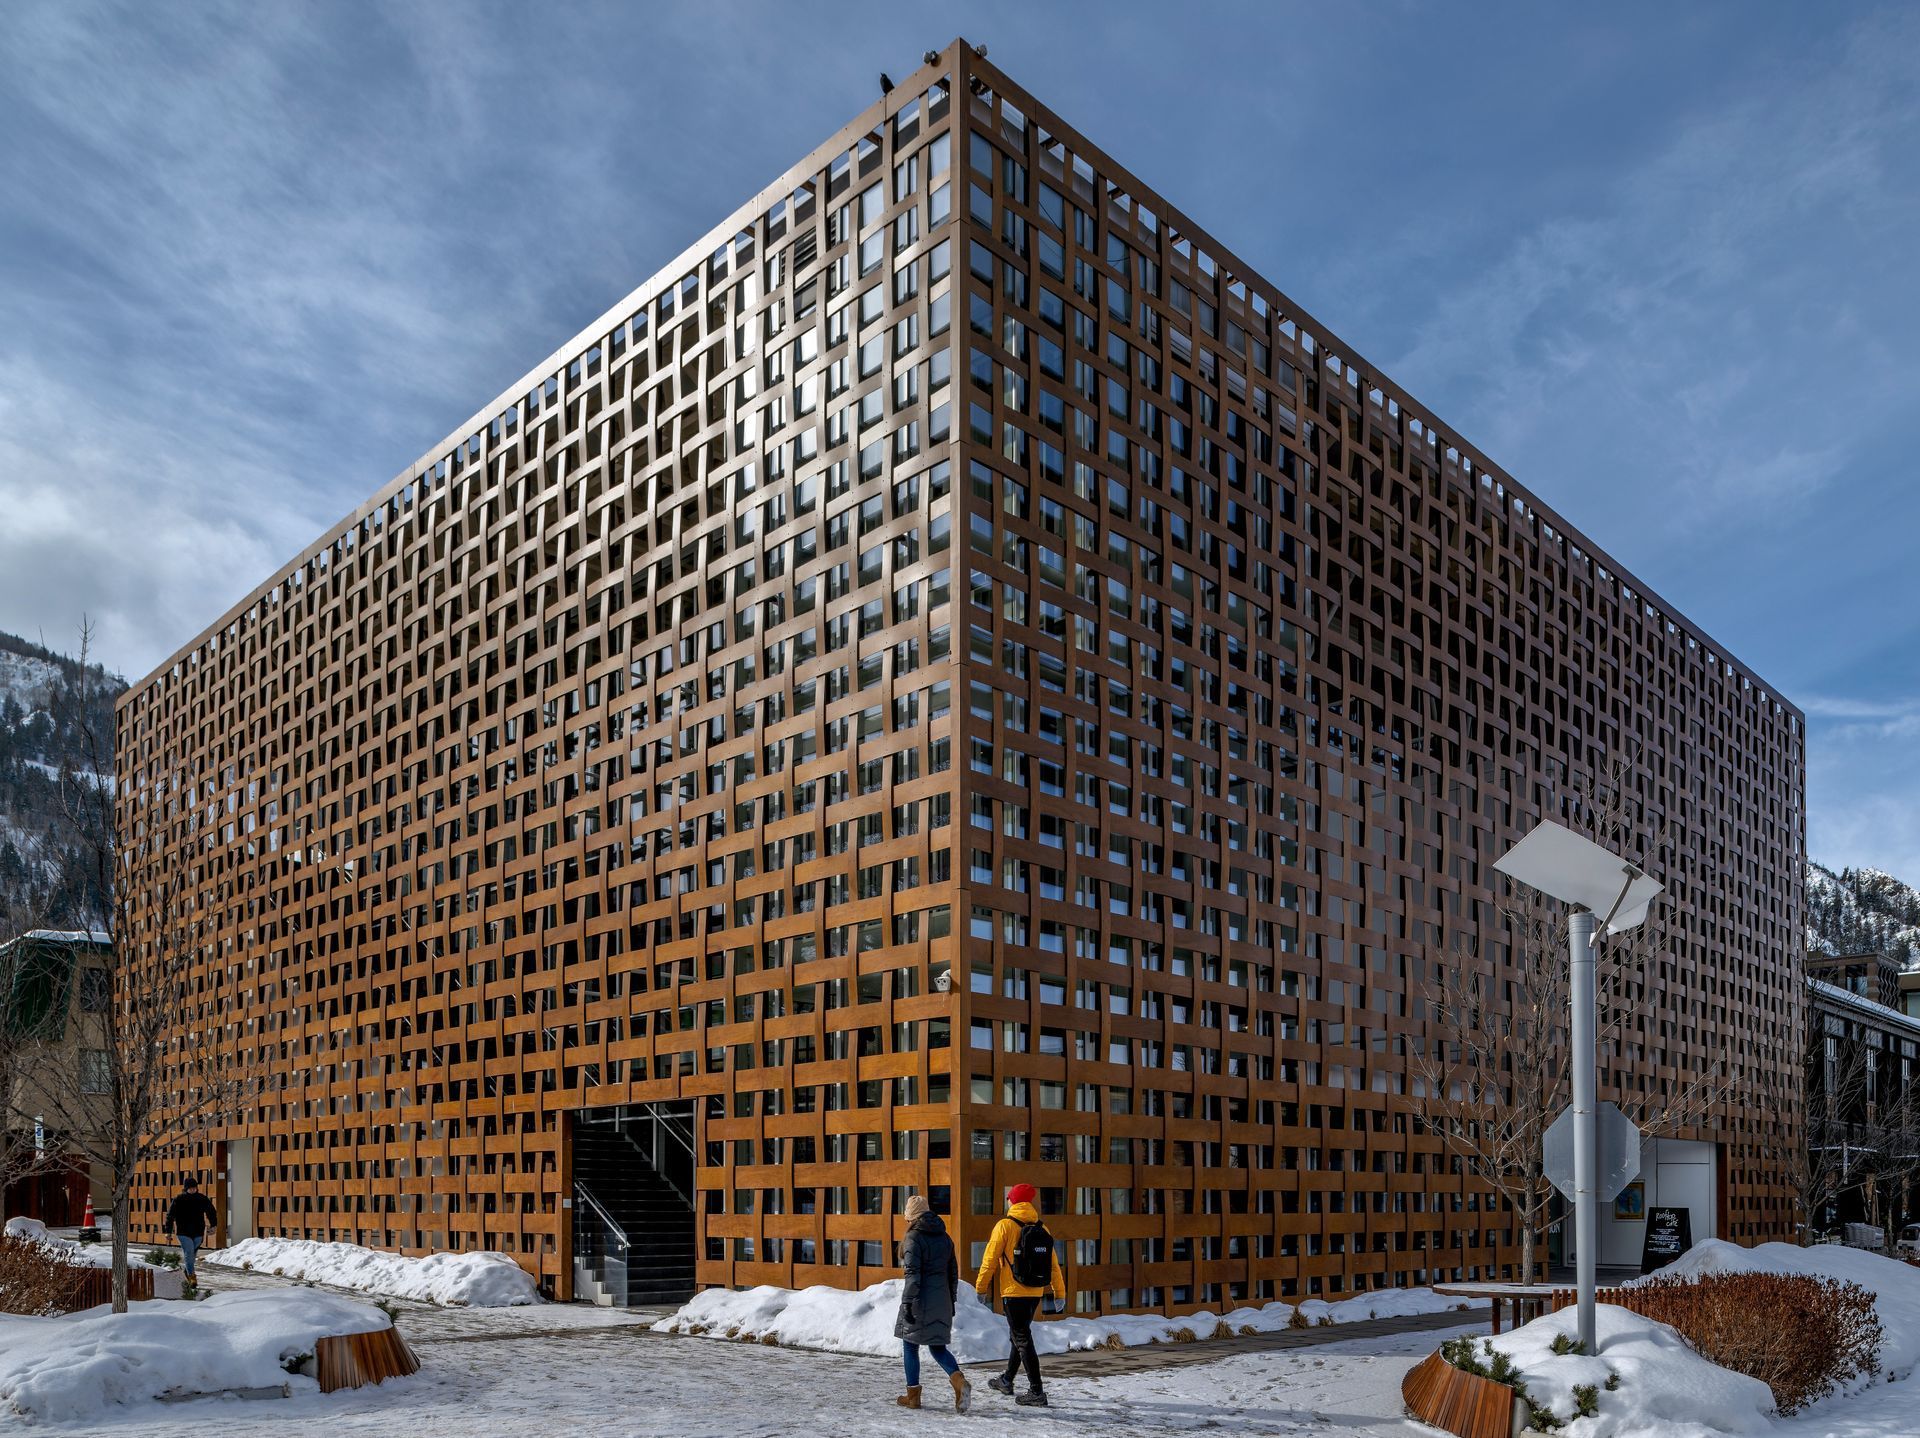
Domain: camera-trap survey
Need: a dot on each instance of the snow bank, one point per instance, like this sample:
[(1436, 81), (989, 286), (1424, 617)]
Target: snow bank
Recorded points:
[(1894, 1285), (475, 1280), (67, 1250), (845, 1321), (71, 1369), (1665, 1390)]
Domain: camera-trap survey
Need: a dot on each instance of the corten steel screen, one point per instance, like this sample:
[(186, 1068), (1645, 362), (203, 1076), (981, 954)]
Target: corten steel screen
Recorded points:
[(965, 682)]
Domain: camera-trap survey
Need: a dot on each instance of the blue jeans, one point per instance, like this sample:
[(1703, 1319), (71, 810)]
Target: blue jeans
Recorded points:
[(910, 1355), (188, 1248)]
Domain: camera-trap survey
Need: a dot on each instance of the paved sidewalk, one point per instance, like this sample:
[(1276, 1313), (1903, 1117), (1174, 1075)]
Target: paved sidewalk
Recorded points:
[(1106, 1362), (427, 1324)]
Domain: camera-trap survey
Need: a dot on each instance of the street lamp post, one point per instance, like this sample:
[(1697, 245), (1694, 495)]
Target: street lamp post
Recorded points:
[(1586, 1206), (1580, 873)]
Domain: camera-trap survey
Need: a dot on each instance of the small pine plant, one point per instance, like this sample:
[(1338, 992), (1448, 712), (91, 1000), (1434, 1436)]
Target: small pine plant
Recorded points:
[(1563, 1344), (1500, 1368), (1480, 1358), (1586, 1400), (1613, 1381), (1464, 1354)]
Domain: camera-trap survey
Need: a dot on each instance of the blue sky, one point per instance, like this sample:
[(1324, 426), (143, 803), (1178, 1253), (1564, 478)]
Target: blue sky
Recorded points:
[(1657, 260)]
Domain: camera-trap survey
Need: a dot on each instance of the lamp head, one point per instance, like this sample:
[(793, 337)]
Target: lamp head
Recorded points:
[(1575, 870)]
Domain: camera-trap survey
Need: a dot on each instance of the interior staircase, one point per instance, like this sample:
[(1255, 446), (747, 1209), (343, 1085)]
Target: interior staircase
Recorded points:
[(633, 1240)]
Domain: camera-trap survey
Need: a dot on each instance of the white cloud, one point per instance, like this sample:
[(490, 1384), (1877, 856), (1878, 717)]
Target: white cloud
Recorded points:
[(1690, 336), (1863, 776), (1830, 706), (108, 521)]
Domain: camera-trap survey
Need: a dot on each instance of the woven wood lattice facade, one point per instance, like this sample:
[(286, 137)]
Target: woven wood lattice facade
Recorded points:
[(965, 682)]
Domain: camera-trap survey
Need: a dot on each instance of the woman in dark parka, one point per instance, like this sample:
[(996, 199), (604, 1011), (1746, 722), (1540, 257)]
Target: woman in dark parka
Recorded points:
[(926, 1303)]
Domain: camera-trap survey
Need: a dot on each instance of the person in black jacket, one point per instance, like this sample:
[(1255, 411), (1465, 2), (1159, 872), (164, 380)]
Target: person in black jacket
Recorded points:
[(189, 1217), (926, 1303)]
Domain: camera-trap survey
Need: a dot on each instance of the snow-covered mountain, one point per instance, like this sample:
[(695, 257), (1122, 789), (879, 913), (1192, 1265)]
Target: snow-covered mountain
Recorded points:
[(48, 705), (1858, 909)]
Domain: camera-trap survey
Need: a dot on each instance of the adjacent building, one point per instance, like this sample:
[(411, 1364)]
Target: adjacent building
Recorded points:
[(1862, 1108), (1871, 974), (55, 986), (955, 680)]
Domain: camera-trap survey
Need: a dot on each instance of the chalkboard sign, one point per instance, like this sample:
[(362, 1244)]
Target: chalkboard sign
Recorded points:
[(1669, 1234)]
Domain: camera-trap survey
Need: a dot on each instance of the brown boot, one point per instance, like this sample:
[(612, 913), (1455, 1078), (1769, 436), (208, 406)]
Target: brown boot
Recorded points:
[(911, 1398), (962, 1392)]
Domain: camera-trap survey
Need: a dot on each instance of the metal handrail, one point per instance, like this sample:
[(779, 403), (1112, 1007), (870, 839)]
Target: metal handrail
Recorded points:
[(653, 1120), (672, 1126), (618, 1232), (686, 1141)]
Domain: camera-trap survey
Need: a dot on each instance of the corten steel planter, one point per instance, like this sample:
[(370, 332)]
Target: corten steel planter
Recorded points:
[(357, 1359), (1462, 1403)]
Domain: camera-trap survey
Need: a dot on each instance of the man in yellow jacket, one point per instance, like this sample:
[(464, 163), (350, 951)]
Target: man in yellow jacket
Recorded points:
[(1000, 1272)]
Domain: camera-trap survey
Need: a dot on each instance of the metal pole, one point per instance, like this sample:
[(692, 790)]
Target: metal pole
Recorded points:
[(1586, 1180)]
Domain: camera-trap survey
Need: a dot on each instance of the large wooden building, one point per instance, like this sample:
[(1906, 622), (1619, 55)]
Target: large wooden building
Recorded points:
[(955, 680)]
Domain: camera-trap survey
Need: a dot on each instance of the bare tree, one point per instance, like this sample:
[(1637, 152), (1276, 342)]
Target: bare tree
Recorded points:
[(1494, 1071), (21, 1156), (165, 1070), (43, 887), (1892, 1138), (1828, 1091), (1859, 1126), (27, 905)]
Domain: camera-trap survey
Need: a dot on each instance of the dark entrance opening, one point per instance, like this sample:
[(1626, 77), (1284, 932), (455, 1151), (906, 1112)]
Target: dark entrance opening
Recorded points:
[(633, 1239)]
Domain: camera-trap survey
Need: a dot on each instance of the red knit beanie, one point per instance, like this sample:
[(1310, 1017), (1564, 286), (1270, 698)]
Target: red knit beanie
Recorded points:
[(1022, 1193)]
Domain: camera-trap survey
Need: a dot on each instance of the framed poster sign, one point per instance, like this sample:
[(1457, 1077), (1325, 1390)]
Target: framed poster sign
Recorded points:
[(1669, 1234)]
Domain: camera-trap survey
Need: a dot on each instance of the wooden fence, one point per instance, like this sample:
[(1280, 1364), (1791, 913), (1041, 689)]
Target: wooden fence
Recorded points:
[(95, 1287), (1664, 1303)]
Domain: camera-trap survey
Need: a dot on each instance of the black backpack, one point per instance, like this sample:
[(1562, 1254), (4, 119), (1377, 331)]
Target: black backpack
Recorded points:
[(1031, 1257)]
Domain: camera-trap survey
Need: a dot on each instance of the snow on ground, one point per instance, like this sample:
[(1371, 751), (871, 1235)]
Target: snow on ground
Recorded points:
[(862, 1321), (82, 1368), (583, 1370), (599, 1373), (69, 1250), (476, 1280), (1668, 1391), (1885, 1410), (1665, 1389), (1895, 1286)]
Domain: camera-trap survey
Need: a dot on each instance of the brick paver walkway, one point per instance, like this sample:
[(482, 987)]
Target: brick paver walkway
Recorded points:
[(1103, 1362)]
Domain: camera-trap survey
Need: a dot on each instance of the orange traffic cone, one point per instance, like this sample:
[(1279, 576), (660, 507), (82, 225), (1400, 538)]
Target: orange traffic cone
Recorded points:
[(89, 1225)]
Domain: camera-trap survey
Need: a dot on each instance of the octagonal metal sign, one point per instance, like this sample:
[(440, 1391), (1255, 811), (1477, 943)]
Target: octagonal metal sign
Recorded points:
[(1618, 1141)]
